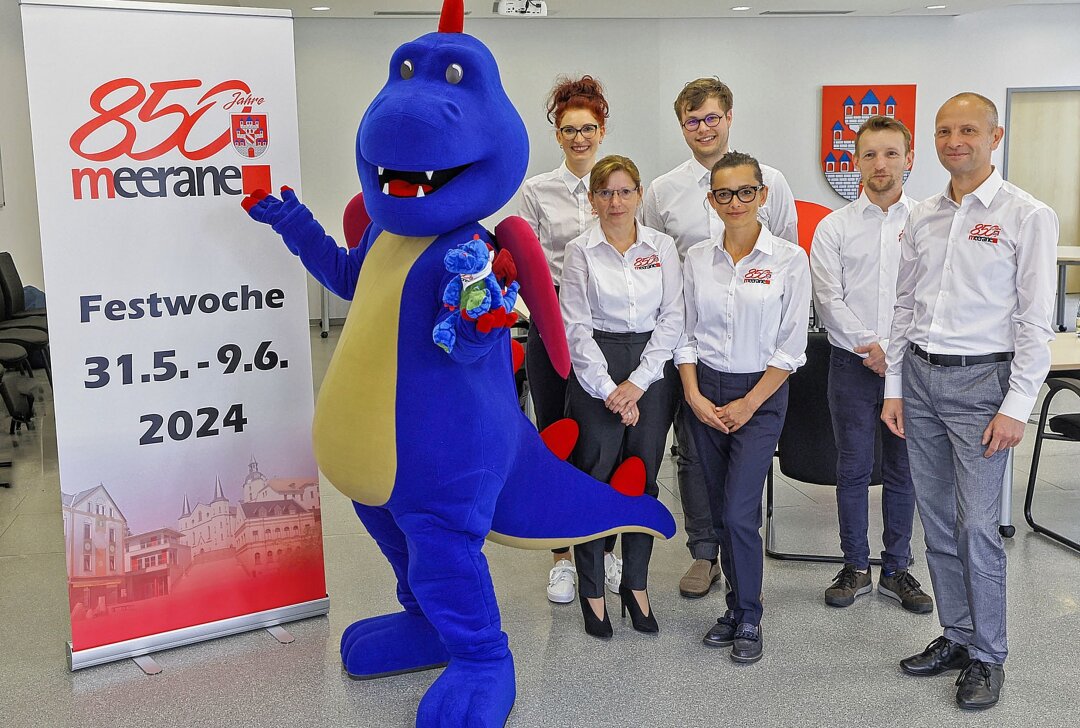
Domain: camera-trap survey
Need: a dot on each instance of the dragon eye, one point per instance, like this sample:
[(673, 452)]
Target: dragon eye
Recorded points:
[(406, 69), (454, 73)]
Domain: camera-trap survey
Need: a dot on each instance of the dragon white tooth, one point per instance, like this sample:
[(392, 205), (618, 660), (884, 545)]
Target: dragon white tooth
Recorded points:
[(381, 170), (430, 175), (386, 188), (419, 191)]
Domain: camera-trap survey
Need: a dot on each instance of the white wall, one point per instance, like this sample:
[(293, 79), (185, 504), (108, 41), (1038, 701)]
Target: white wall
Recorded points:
[(775, 67), (18, 218)]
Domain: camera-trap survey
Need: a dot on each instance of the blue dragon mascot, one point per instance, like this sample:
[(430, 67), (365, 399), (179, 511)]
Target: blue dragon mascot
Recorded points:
[(431, 445)]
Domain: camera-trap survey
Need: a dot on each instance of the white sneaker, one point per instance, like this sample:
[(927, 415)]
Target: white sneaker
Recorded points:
[(612, 572), (561, 582)]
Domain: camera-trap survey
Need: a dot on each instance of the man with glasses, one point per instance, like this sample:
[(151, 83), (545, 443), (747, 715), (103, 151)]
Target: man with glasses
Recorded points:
[(968, 353), (853, 261), (675, 204)]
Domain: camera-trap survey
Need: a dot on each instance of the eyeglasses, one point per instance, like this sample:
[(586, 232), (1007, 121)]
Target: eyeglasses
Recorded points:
[(568, 133), (624, 194), (693, 122), (745, 194)]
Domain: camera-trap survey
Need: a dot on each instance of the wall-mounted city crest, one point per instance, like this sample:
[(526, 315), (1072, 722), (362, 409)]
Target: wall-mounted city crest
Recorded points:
[(843, 111)]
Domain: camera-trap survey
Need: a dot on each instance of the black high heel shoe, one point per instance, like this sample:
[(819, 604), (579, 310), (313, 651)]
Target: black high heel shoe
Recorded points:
[(641, 622), (595, 626)]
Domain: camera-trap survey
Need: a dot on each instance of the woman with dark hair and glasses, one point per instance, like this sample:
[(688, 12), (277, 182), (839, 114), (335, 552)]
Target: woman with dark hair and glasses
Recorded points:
[(622, 303), (747, 296), (556, 205)]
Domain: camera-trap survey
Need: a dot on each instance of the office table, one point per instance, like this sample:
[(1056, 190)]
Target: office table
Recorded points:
[(1066, 255), (1064, 357)]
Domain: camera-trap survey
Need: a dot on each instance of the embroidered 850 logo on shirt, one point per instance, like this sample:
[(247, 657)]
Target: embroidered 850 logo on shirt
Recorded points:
[(758, 275), (985, 233)]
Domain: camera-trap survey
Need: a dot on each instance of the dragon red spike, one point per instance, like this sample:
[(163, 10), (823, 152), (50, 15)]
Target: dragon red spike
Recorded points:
[(629, 477), (452, 19)]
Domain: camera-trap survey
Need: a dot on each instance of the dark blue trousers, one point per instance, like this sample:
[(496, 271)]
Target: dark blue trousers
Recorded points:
[(855, 398), (735, 467)]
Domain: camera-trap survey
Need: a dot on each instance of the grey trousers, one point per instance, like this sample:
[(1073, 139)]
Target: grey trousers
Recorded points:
[(957, 490), (605, 442)]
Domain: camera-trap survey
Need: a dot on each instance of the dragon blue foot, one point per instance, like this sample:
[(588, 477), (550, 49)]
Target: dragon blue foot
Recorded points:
[(391, 644), (470, 694)]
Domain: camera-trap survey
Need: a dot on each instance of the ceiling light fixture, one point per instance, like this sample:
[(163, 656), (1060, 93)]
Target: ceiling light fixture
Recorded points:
[(936, 7), (321, 8), (741, 7)]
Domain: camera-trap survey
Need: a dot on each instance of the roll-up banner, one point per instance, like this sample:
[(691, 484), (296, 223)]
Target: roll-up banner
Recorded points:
[(178, 328)]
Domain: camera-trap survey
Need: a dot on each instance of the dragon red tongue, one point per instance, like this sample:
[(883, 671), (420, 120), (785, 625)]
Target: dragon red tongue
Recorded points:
[(401, 188)]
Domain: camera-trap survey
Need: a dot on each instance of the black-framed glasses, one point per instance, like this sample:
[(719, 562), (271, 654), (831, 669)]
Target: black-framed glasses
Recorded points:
[(568, 133), (693, 122), (624, 193), (723, 195)]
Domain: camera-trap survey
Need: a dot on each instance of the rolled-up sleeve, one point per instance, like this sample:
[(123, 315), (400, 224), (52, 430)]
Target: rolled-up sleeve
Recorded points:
[(1036, 256), (790, 352), (668, 332), (590, 365)]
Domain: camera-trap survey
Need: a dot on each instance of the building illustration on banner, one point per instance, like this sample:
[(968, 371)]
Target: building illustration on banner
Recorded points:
[(841, 118), (276, 520)]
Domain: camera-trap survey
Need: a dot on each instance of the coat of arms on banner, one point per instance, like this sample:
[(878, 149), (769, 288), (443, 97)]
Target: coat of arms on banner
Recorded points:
[(249, 134), (843, 110)]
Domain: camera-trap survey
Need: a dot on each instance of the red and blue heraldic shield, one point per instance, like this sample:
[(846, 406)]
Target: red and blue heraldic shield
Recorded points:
[(843, 110), (249, 134)]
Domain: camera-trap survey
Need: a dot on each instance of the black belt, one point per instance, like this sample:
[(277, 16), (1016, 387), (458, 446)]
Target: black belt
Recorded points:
[(960, 360)]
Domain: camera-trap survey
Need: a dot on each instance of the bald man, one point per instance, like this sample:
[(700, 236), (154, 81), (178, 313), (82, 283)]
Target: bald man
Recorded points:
[(968, 353)]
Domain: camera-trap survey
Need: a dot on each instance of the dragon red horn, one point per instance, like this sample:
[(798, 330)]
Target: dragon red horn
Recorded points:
[(452, 19)]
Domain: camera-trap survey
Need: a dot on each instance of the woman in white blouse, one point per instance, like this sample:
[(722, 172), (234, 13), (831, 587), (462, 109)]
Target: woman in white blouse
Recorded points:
[(747, 308), (622, 303), (556, 205)]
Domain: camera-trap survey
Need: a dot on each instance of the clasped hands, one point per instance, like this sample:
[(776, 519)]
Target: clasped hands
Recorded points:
[(727, 418), (623, 402)]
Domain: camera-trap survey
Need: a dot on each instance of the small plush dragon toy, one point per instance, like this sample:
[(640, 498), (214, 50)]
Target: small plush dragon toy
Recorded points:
[(475, 291), (396, 426)]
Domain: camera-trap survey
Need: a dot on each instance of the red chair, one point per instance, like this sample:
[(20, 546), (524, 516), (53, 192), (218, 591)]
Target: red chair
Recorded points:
[(810, 214), (355, 220)]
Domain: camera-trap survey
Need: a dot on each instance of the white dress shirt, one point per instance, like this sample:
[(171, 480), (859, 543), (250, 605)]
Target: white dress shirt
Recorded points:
[(853, 264), (746, 316), (638, 291), (675, 204), (556, 205), (978, 278)]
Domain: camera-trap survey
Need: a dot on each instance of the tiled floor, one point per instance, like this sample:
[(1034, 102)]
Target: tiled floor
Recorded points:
[(822, 666)]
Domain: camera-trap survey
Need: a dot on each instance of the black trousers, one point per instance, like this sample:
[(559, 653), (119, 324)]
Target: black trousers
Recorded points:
[(605, 442)]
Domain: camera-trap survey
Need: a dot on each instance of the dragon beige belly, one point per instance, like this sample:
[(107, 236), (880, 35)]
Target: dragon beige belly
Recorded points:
[(354, 430)]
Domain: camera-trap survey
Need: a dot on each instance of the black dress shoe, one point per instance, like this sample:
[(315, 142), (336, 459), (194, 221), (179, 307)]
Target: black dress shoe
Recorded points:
[(748, 645), (979, 685), (940, 656), (722, 634)]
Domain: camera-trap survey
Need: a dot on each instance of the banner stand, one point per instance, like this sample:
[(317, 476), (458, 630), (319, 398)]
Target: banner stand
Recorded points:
[(78, 659)]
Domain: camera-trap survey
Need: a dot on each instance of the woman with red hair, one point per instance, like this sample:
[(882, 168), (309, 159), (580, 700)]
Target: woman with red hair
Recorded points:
[(556, 205)]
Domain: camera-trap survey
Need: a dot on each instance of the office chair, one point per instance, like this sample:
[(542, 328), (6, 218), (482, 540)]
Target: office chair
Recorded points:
[(807, 451), (1064, 428)]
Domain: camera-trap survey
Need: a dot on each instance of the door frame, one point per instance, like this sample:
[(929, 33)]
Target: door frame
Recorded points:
[(1008, 115)]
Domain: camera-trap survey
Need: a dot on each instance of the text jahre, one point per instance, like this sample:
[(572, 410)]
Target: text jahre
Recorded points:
[(238, 99)]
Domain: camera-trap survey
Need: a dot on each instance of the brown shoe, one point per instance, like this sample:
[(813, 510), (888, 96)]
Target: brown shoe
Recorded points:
[(699, 579)]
